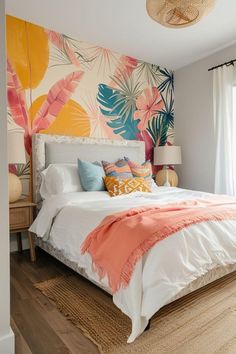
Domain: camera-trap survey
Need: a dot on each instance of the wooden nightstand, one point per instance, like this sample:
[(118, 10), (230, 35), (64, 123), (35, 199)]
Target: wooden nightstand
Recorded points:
[(21, 217)]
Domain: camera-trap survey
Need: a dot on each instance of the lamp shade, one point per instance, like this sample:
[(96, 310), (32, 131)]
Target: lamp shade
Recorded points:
[(16, 147), (178, 13), (167, 155)]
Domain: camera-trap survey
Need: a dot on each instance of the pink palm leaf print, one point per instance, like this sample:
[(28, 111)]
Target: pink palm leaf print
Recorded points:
[(125, 68), (59, 41), (57, 97), (148, 104), (129, 64), (17, 103)]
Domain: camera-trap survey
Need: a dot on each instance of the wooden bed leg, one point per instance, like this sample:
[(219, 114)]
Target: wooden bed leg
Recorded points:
[(32, 247), (148, 326)]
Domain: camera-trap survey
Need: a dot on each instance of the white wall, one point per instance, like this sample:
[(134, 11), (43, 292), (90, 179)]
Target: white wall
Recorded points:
[(110, 24), (6, 335), (194, 120)]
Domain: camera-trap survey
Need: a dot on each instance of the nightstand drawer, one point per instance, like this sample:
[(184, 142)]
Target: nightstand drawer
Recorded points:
[(19, 218)]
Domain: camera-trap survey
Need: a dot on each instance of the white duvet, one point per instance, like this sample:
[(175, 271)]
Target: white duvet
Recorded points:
[(65, 220)]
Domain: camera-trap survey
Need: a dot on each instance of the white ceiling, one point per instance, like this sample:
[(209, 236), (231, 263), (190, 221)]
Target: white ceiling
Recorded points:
[(125, 27)]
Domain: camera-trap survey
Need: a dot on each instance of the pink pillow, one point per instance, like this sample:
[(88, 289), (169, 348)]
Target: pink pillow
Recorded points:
[(143, 170), (119, 169)]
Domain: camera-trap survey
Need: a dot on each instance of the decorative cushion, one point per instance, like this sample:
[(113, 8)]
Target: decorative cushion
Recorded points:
[(91, 176), (118, 186), (119, 169), (144, 170)]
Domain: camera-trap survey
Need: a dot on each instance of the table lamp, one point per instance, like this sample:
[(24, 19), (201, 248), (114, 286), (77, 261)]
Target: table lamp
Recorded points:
[(16, 155), (167, 155)]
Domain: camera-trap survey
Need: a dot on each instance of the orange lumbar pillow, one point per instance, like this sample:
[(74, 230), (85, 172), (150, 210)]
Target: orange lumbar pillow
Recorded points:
[(118, 186)]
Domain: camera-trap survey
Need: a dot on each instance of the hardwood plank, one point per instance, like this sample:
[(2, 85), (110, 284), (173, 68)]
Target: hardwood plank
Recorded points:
[(23, 275), (40, 337), (21, 347), (25, 289), (72, 337)]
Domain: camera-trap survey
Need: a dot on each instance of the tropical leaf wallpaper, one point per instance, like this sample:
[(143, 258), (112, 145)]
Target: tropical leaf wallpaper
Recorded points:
[(60, 85)]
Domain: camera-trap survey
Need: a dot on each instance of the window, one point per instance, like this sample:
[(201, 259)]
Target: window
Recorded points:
[(234, 102), (234, 133)]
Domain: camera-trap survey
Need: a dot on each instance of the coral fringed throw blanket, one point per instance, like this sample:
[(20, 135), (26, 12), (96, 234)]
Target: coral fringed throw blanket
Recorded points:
[(122, 239)]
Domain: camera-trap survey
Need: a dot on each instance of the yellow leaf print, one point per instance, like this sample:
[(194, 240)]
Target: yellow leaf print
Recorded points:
[(27, 48), (71, 120)]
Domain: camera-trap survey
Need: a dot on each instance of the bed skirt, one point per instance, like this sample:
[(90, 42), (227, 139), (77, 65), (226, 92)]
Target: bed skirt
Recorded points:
[(196, 284), (47, 247)]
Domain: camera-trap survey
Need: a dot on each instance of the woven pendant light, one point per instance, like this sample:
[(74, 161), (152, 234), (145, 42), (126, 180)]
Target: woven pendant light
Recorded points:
[(178, 13)]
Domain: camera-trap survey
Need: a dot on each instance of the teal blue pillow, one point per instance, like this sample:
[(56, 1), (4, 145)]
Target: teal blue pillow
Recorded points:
[(91, 176)]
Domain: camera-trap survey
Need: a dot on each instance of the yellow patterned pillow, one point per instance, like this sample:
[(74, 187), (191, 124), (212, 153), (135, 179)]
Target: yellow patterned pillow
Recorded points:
[(119, 186)]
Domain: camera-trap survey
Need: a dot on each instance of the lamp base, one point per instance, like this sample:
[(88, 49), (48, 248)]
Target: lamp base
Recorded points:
[(165, 177), (15, 187)]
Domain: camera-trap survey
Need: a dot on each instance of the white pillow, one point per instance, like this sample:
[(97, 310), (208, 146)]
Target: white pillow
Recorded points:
[(60, 178)]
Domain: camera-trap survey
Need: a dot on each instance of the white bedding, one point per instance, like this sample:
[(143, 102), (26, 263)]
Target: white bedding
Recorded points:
[(65, 220)]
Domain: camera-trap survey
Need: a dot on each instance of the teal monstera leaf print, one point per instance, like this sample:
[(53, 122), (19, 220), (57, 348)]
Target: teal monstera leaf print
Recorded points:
[(120, 109)]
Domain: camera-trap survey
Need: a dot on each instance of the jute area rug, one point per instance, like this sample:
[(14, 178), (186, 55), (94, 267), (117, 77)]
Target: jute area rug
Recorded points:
[(203, 322)]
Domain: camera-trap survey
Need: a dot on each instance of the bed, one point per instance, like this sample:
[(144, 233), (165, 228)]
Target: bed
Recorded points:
[(173, 268)]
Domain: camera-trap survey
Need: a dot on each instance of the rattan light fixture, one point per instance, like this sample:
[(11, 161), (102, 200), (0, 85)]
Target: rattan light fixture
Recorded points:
[(178, 13)]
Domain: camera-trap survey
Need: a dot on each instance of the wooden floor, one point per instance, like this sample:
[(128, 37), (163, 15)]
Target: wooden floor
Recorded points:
[(39, 327)]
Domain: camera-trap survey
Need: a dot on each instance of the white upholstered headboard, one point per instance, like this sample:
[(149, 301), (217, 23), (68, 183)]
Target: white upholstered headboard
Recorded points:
[(47, 149)]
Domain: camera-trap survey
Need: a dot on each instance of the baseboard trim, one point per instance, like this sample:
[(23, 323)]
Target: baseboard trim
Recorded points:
[(7, 343)]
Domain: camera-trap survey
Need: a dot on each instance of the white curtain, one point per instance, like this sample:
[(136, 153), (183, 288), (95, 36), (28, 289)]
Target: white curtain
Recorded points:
[(225, 133)]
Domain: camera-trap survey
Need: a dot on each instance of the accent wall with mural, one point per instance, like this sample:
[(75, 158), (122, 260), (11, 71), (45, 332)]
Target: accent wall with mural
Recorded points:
[(60, 85)]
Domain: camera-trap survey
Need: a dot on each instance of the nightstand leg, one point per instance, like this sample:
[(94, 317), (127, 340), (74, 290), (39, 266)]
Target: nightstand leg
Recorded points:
[(19, 242), (31, 246)]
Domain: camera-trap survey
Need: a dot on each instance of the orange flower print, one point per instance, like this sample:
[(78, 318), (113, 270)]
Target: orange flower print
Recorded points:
[(148, 104)]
